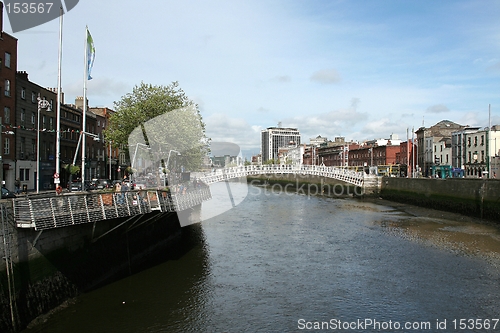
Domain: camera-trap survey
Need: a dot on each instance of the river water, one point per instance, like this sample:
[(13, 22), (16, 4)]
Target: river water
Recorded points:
[(283, 262)]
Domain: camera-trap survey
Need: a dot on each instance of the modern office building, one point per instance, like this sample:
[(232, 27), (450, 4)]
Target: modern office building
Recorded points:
[(274, 138)]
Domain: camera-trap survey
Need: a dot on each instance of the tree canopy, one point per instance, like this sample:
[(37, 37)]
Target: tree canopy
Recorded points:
[(158, 123)]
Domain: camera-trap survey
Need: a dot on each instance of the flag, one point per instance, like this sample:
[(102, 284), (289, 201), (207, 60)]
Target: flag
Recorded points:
[(90, 54)]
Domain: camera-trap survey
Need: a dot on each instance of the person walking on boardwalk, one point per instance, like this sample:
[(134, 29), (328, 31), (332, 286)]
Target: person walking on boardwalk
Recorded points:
[(124, 191), (17, 185), (118, 190)]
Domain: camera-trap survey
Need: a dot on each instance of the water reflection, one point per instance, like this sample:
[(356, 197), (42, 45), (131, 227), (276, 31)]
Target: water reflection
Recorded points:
[(275, 259)]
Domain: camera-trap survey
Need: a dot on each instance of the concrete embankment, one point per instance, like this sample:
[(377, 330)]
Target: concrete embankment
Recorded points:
[(469, 196), (57, 264)]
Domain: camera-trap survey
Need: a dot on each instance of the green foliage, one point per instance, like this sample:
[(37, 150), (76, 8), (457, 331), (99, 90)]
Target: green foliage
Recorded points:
[(163, 119), (271, 161), (73, 169)]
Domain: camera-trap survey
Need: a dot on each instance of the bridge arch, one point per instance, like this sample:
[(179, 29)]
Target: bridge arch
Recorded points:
[(343, 174)]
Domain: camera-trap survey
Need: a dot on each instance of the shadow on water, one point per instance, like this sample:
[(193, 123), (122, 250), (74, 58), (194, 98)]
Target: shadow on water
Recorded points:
[(117, 255)]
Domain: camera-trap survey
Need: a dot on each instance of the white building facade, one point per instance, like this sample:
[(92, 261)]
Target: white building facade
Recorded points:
[(274, 138)]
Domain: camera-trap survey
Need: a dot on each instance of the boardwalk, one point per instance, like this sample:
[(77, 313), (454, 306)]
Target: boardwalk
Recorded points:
[(76, 208)]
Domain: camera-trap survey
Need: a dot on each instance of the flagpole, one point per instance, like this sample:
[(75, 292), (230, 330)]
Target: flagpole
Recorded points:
[(84, 112), (59, 101)]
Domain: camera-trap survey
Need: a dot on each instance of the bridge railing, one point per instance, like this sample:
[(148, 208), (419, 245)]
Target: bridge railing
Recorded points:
[(66, 210), (343, 174)]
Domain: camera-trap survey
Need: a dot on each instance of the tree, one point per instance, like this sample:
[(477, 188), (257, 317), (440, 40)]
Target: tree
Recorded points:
[(163, 119)]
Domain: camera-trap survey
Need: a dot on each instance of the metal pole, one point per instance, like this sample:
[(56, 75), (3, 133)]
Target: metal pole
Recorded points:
[(38, 148), (59, 98), (1, 158), (109, 160)]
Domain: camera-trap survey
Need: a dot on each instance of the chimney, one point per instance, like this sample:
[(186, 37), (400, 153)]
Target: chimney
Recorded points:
[(54, 90), (79, 102)]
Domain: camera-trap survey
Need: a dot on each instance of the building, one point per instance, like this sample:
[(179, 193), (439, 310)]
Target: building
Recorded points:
[(274, 138), (430, 142), (109, 157), (480, 151), (8, 70), (29, 130), (407, 159), (336, 153)]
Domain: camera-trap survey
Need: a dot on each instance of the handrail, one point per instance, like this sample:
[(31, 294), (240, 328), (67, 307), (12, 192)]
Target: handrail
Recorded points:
[(77, 208), (343, 174)]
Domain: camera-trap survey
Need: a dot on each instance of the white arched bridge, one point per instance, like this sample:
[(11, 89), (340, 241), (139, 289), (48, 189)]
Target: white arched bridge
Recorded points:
[(357, 178)]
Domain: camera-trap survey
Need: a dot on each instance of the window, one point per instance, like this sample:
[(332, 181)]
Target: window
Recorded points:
[(23, 146), (51, 123), (482, 140), (23, 93), (7, 87), (33, 117), (23, 116), (7, 59), (98, 123), (6, 146), (6, 115), (33, 97), (44, 121), (24, 174), (33, 146)]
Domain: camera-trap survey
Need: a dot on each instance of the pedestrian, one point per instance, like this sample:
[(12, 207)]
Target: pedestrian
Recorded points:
[(17, 184), (124, 191), (118, 195)]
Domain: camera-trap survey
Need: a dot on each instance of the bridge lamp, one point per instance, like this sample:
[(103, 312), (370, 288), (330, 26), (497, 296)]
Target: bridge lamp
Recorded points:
[(42, 104)]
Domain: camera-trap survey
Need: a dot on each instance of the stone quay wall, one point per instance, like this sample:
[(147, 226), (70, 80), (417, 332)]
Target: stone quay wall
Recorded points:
[(469, 196)]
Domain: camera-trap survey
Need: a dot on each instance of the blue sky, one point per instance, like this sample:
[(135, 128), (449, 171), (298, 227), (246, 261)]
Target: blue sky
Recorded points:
[(358, 69)]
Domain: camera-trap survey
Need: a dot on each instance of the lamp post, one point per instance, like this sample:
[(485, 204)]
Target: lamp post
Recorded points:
[(168, 159), (42, 104), (82, 134), (109, 159), (135, 153)]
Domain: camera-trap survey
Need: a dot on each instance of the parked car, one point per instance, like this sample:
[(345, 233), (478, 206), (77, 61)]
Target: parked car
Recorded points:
[(77, 186), (103, 183), (6, 194)]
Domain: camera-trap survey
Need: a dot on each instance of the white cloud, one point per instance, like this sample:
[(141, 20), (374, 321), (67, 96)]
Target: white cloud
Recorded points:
[(438, 108), (326, 76)]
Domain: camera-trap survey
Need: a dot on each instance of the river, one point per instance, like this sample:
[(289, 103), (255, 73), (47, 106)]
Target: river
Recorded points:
[(282, 262)]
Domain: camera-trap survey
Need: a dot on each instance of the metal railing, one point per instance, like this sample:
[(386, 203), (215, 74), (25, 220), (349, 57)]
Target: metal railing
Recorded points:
[(77, 208), (343, 174)]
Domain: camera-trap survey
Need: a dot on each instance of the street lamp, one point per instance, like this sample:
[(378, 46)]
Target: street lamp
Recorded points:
[(135, 153), (168, 159), (96, 138), (42, 104)]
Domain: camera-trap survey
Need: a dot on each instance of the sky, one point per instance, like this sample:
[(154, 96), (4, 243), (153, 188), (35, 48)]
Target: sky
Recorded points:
[(358, 69)]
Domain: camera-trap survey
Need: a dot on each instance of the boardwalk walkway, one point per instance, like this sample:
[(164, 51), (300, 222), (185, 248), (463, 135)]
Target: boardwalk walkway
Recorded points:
[(51, 212)]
